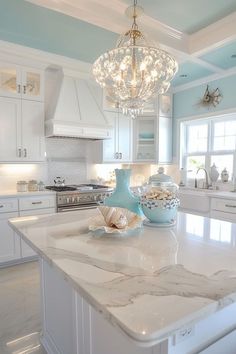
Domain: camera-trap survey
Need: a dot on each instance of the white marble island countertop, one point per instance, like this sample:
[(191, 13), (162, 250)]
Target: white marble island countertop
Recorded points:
[(149, 284)]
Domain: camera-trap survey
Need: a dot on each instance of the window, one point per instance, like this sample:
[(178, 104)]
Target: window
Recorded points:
[(208, 141)]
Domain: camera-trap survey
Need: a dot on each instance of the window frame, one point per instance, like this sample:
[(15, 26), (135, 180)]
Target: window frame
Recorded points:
[(183, 141)]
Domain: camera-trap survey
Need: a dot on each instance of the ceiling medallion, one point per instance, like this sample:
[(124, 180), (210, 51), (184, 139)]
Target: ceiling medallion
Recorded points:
[(134, 72)]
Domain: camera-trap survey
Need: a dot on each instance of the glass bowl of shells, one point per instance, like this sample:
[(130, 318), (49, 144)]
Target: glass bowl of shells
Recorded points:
[(159, 200)]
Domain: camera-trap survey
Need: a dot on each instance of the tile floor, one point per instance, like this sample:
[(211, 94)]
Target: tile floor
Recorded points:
[(20, 310)]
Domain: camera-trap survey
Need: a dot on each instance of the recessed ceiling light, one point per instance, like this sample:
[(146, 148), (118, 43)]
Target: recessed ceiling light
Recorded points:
[(233, 56), (183, 75)]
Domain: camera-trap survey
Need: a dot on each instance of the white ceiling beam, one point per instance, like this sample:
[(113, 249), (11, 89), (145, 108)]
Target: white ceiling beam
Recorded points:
[(211, 37)]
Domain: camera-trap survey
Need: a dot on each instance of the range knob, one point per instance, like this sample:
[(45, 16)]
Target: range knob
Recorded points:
[(67, 200)]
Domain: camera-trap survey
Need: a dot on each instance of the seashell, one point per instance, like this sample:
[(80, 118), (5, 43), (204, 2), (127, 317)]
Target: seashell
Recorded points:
[(119, 220), (114, 217)]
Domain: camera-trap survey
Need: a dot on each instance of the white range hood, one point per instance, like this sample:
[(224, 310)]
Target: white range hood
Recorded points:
[(74, 108)]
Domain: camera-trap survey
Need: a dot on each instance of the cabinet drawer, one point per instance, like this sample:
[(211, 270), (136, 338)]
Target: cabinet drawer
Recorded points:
[(33, 203), (226, 205), (8, 205)]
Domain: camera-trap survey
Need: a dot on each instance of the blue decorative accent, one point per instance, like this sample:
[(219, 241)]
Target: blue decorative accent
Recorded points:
[(122, 196), (160, 211)]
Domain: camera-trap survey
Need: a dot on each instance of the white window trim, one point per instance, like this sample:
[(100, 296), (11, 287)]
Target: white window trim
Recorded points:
[(182, 139)]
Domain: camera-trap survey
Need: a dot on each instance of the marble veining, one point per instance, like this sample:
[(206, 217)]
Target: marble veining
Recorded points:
[(148, 284)]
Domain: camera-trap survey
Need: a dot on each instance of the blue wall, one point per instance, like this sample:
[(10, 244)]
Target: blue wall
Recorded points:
[(37, 27), (186, 102)]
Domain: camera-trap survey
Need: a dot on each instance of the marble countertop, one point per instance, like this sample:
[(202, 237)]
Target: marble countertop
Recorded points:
[(149, 284), (14, 193)]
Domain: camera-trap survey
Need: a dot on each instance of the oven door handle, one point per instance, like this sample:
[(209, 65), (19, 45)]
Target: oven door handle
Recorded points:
[(62, 210)]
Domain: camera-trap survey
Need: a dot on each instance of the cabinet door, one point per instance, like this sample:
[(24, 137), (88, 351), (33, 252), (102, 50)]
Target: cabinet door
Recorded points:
[(225, 345), (145, 132), (32, 84), (9, 240), (33, 141), (165, 140), (110, 151), (125, 135), (10, 80), (10, 137)]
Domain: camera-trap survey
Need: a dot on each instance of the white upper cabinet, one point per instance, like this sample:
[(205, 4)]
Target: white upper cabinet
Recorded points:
[(153, 134), (22, 130), (32, 84), (10, 80), (21, 114), (124, 138), (118, 149), (21, 82), (33, 141), (10, 123)]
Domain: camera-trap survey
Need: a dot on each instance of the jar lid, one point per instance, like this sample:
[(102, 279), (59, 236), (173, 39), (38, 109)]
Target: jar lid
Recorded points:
[(33, 181), (160, 177), (21, 182)]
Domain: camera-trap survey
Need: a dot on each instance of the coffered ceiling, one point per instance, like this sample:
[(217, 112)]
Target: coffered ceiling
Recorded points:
[(201, 34)]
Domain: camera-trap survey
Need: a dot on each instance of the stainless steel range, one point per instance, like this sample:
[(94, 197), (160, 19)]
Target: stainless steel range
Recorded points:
[(78, 197)]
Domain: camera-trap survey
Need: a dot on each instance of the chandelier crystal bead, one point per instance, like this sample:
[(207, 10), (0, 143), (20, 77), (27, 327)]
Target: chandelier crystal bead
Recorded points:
[(134, 72)]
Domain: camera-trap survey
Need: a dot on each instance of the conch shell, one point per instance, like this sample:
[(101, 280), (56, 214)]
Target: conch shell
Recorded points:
[(114, 217), (113, 220)]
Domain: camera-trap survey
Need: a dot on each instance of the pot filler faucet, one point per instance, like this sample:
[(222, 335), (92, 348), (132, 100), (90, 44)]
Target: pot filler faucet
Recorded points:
[(206, 178)]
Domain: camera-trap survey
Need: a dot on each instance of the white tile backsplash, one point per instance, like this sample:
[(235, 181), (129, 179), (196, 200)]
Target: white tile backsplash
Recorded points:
[(67, 159), (11, 173)]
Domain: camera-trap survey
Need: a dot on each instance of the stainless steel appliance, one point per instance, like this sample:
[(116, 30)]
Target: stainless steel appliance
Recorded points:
[(78, 197)]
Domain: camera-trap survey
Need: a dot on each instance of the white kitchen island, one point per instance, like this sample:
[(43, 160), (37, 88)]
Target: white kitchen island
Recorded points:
[(158, 291)]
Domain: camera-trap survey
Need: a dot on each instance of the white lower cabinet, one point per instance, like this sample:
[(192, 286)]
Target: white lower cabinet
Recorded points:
[(12, 248), (224, 209), (9, 240), (226, 345)]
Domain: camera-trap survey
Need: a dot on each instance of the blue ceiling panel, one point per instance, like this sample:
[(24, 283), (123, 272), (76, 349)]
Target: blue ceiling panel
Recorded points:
[(24, 23), (224, 57), (188, 72), (187, 15)]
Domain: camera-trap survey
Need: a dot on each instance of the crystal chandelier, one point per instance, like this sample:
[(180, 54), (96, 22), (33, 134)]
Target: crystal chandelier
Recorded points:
[(134, 72)]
